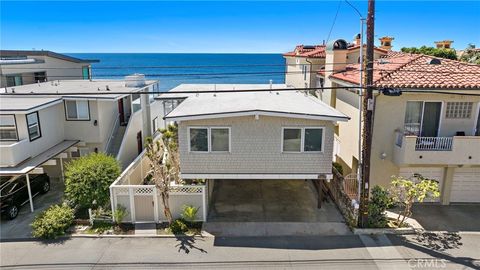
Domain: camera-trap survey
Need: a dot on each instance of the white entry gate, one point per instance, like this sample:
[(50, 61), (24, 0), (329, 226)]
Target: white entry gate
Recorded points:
[(143, 202)]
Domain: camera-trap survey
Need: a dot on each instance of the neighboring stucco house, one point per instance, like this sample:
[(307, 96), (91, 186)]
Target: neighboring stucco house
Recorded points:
[(303, 63), (26, 67), (432, 129), (39, 132), (255, 135)]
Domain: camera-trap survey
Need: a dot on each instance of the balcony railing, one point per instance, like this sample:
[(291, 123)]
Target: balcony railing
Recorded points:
[(434, 144)]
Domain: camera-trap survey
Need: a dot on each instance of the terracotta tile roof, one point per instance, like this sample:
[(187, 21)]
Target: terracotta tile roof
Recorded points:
[(314, 51), (355, 47), (403, 70)]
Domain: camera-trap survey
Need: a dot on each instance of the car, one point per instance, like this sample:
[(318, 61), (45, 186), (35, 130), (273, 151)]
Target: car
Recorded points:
[(14, 191)]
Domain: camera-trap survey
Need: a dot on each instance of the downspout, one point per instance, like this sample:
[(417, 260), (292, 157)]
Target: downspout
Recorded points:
[(310, 73)]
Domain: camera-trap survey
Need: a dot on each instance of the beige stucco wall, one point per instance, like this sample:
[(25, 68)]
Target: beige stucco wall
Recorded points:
[(56, 69), (389, 116), (256, 148), (347, 103), (294, 76)]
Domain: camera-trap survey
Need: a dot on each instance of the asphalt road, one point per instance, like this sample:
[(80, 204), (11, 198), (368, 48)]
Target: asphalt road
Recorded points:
[(442, 251)]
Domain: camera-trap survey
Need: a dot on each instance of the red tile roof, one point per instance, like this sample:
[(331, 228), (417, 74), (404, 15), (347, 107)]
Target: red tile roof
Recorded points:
[(355, 47), (314, 51), (403, 70)]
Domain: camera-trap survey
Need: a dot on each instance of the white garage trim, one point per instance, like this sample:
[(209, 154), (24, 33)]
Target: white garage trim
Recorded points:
[(465, 185)]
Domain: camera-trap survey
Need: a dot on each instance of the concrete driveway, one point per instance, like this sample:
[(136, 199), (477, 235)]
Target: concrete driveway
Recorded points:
[(20, 226), (271, 207), (452, 218)]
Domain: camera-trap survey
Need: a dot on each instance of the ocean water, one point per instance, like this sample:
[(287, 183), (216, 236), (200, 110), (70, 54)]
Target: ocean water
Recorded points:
[(175, 69)]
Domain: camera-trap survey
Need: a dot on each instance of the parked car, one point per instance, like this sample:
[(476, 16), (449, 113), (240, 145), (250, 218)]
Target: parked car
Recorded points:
[(14, 191)]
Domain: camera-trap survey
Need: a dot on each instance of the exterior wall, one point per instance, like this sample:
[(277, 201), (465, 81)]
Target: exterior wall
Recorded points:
[(56, 69), (84, 130), (256, 148), (107, 116), (294, 76), (51, 127), (354, 56), (347, 103), (389, 116)]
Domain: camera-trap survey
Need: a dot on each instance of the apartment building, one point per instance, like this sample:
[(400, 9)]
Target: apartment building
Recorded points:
[(26, 67), (432, 129), (43, 125)]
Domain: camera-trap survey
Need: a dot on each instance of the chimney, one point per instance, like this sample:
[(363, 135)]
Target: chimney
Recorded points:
[(357, 39), (444, 44), (386, 43)]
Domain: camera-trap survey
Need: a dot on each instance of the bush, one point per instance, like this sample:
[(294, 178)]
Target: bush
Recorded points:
[(379, 202), (338, 167), (53, 222), (178, 226), (119, 214), (189, 213), (88, 178)]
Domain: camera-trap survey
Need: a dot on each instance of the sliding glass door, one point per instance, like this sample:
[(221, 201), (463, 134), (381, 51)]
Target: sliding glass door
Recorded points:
[(423, 118)]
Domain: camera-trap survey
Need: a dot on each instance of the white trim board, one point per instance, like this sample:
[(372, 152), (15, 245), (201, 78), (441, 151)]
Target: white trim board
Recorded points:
[(254, 176)]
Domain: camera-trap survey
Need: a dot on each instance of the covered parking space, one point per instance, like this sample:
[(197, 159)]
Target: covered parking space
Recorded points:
[(269, 200), (35, 164)]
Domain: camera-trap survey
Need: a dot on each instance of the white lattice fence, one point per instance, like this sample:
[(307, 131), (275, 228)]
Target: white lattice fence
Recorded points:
[(143, 202)]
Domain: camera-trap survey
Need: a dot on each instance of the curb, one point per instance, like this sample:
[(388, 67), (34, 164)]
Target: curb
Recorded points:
[(79, 235)]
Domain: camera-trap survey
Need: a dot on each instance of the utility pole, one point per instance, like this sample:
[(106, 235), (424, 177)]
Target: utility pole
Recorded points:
[(367, 112)]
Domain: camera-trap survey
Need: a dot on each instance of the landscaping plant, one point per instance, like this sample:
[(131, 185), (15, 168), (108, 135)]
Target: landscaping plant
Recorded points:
[(178, 227), (164, 164), (379, 202), (119, 214), (405, 192), (189, 213), (88, 178), (53, 222)]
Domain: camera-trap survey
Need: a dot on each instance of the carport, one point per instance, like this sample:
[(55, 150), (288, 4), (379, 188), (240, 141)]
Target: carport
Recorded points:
[(35, 164)]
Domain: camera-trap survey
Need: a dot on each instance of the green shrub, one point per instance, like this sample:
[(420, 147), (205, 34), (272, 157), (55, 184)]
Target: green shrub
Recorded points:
[(119, 214), (178, 226), (53, 222), (338, 167), (379, 202), (189, 213), (87, 179)]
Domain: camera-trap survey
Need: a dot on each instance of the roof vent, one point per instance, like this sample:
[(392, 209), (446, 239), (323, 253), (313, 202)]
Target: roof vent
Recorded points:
[(434, 61)]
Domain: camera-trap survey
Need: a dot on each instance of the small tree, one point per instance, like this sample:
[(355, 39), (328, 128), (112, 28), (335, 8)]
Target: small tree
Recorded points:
[(87, 179), (164, 164), (405, 192), (379, 202)]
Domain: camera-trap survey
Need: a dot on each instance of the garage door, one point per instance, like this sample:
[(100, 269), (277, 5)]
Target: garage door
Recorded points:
[(433, 173), (466, 185)]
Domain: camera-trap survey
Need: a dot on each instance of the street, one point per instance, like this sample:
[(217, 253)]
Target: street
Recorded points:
[(425, 251)]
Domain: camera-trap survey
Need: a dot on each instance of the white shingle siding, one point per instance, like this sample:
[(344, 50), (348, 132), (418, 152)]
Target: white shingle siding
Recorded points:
[(256, 148)]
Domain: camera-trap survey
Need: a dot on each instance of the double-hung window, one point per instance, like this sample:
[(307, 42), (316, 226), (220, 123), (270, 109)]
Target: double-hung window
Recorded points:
[(8, 128), (308, 139), (33, 125), (209, 139), (77, 110)]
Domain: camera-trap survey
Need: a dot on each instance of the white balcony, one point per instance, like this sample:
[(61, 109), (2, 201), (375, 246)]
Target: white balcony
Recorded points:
[(12, 153), (457, 150)]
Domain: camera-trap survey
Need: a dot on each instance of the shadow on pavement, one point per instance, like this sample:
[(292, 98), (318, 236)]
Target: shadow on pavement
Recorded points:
[(292, 242), (187, 243)]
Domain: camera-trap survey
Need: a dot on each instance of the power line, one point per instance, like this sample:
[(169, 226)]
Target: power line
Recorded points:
[(334, 20)]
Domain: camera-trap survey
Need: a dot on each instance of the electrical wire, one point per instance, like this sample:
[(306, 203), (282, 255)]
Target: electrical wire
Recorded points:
[(334, 20)]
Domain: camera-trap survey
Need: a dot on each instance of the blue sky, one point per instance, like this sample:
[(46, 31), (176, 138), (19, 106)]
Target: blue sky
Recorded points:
[(269, 26)]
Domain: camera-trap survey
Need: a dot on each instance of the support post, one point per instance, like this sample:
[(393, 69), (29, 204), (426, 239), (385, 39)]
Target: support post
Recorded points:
[(155, 204), (131, 195), (30, 199), (61, 169), (367, 111), (204, 204)]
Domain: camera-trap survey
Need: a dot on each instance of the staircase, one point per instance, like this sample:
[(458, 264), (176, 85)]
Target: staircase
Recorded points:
[(116, 141)]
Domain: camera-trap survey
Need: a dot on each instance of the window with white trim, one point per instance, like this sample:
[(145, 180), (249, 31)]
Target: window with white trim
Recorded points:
[(459, 110), (33, 126), (8, 128), (209, 139), (77, 110), (307, 139)]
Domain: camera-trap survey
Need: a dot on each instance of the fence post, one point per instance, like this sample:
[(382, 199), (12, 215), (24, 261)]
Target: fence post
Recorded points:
[(113, 195), (155, 204), (131, 195), (204, 204)]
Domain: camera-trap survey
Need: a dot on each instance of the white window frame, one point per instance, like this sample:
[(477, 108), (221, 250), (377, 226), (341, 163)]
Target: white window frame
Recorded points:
[(76, 107), (11, 128), (302, 140), (442, 109), (209, 139)]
